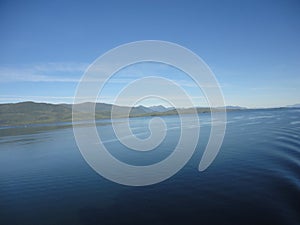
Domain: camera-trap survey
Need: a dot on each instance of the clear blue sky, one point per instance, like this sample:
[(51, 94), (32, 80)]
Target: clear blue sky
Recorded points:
[(253, 47)]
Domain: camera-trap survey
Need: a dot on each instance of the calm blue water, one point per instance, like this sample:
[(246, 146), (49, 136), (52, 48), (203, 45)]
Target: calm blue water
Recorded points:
[(255, 179)]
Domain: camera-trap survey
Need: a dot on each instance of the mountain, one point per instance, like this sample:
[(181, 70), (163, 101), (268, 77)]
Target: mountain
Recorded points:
[(293, 106), (104, 109), (33, 113), (159, 108), (143, 108), (234, 107), (24, 113)]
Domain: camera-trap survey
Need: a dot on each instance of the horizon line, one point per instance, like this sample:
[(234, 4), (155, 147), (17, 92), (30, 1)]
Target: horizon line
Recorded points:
[(63, 103)]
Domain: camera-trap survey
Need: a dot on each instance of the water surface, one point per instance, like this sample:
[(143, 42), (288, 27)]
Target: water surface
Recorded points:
[(255, 178)]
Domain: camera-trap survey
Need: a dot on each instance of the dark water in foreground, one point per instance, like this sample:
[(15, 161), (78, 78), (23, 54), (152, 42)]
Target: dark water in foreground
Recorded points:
[(255, 179)]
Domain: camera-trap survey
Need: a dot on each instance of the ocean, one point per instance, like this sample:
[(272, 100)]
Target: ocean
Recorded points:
[(255, 178)]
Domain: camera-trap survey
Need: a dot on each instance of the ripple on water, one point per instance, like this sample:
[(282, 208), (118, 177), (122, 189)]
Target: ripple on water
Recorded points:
[(294, 122)]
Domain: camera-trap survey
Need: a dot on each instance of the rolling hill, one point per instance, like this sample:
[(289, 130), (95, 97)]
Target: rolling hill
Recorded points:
[(24, 113), (33, 113)]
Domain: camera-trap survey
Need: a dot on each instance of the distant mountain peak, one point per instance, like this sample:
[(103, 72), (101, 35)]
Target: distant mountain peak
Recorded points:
[(294, 106), (158, 108), (235, 107)]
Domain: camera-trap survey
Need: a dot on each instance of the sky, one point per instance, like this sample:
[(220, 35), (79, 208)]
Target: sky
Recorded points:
[(252, 47)]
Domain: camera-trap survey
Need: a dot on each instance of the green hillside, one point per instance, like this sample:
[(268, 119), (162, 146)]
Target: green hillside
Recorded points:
[(34, 113)]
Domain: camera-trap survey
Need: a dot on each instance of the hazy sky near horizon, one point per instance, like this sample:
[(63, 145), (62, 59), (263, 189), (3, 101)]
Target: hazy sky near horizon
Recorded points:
[(253, 47)]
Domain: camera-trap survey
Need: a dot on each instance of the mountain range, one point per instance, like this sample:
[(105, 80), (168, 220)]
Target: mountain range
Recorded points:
[(24, 113), (293, 106), (33, 113)]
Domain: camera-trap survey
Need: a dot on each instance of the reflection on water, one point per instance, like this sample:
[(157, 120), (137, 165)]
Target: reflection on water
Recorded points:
[(255, 178), (38, 128)]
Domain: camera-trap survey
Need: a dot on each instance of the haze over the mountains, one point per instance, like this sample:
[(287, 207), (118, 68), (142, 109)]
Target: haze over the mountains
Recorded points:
[(34, 113), (293, 106)]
